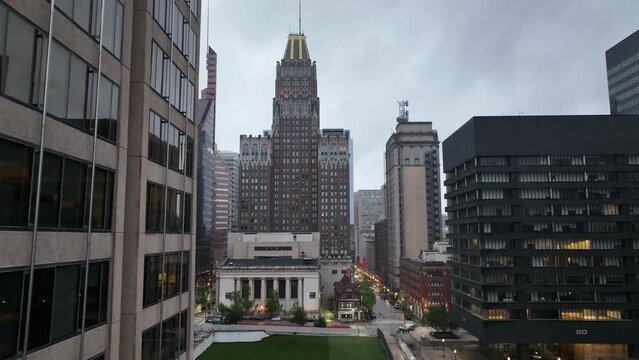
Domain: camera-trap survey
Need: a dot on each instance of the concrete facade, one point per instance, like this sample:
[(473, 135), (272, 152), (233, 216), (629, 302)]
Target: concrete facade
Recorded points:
[(413, 206), (331, 271), (273, 245)]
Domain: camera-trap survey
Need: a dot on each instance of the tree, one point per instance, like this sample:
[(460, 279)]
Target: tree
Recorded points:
[(240, 306), (273, 305), (367, 295), (201, 297), (321, 322), (298, 315), (437, 318)]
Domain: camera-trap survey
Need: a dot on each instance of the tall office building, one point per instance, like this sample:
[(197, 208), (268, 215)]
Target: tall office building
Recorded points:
[(205, 223), (381, 250), (622, 64), (295, 177), (369, 209), (413, 206), (210, 91), (232, 161), (96, 179), (544, 223), (221, 202)]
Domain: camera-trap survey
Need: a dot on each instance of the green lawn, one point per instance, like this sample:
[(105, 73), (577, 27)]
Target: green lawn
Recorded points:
[(294, 347)]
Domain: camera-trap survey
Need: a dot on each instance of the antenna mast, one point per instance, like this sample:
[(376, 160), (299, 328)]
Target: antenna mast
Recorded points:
[(300, 17), (403, 113)]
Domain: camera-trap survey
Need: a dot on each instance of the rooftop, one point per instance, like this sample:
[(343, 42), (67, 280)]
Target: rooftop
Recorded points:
[(270, 262)]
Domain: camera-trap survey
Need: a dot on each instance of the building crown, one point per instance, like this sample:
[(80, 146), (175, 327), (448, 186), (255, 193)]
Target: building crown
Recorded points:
[(296, 48)]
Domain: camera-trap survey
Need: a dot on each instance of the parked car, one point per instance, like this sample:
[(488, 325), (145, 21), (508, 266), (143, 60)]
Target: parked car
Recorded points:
[(396, 306), (409, 326), (346, 320), (277, 318), (257, 317), (372, 315), (215, 319)]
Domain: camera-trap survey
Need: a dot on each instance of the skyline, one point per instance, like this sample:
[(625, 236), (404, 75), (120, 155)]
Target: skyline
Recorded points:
[(535, 64)]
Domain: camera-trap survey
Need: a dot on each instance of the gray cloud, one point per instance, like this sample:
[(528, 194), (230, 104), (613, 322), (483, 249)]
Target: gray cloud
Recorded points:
[(451, 58)]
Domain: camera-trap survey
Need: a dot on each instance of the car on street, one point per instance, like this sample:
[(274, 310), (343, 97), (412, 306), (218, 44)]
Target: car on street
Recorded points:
[(396, 306), (277, 318), (409, 326), (215, 319)]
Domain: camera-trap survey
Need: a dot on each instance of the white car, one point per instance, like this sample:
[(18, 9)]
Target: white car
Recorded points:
[(277, 318), (407, 327)]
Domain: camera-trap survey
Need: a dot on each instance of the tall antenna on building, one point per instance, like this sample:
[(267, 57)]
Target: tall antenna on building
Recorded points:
[(300, 17), (403, 113)]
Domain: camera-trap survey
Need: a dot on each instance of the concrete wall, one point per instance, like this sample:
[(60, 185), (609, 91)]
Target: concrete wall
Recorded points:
[(242, 246), (328, 277)]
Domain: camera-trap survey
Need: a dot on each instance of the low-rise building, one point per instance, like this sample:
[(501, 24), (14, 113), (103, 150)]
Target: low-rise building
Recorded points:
[(425, 280), (347, 301), (295, 280), (331, 271)]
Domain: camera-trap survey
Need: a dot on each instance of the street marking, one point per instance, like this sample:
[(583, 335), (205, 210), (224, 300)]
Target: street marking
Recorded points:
[(388, 321)]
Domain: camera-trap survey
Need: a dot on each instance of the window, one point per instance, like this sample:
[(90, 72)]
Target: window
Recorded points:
[(15, 172), (294, 288), (257, 289), (102, 199), (108, 108), (172, 338), (72, 94), (87, 13), (97, 293), (49, 192), (72, 204), (154, 208), (22, 59), (187, 213), (158, 134), (281, 287), (176, 148), (162, 279), (174, 211), (56, 307), (189, 156)]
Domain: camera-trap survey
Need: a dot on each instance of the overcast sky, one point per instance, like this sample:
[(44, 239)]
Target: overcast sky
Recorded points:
[(452, 59)]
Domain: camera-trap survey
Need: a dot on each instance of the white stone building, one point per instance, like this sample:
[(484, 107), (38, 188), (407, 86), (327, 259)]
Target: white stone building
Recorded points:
[(296, 280)]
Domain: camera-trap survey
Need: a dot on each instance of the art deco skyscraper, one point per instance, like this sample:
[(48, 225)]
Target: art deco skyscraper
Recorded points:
[(295, 178)]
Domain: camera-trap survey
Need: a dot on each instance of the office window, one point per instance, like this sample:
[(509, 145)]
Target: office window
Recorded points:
[(50, 191), (108, 109), (73, 194), (152, 279), (58, 81), (41, 307), (159, 69), (102, 199), (151, 343), (189, 156), (175, 147), (10, 308), (174, 211), (65, 300), (171, 275), (80, 107), (184, 272), (22, 60), (158, 135), (187, 213), (15, 172), (154, 208), (113, 16), (97, 293)]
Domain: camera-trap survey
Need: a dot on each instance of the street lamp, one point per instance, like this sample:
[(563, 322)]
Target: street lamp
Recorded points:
[(455, 353), (443, 342)]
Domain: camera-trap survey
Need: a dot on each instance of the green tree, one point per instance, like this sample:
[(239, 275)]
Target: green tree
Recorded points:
[(240, 306), (298, 315), (273, 305), (201, 297), (367, 295), (437, 318), (321, 322)]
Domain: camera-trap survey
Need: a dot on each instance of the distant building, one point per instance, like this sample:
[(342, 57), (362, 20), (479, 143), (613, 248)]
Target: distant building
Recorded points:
[(273, 245), (205, 113), (544, 223), (369, 208), (221, 202), (413, 205), (210, 91), (622, 64), (232, 162), (381, 250), (295, 280), (426, 280), (296, 177)]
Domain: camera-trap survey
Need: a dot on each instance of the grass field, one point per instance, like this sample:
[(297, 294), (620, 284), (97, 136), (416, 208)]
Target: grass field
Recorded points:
[(293, 347)]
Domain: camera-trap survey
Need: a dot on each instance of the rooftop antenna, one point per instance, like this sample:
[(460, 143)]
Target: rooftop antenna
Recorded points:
[(300, 17), (403, 113)]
